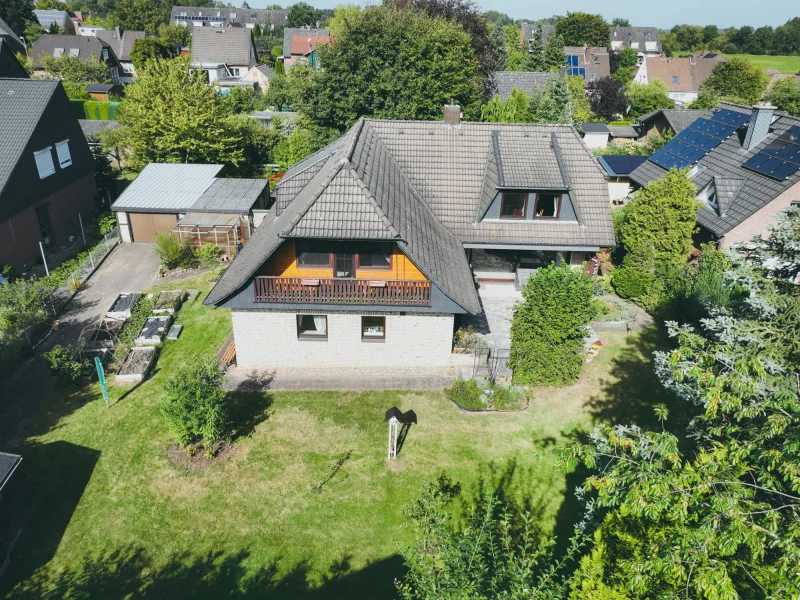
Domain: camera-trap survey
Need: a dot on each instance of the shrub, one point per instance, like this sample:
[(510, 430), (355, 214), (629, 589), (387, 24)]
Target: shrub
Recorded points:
[(103, 224), (208, 256), (710, 288), (194, 403), (482, 395), (467, 393), (467, 338), (630, 282), (169, 251), (548, 328), (66, 364)]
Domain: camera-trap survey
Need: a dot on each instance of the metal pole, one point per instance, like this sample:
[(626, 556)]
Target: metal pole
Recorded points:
[(46, 270), (83, 233)]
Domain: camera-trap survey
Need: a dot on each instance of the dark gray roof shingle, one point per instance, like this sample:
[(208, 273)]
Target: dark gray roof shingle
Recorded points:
[(244, 16), (21, 108), (647, 39), (525, 81), (122, 43), (678, 120), (223, 45), (231, 195), (13, 40), (85, 47), (622, 131), (744, 191)]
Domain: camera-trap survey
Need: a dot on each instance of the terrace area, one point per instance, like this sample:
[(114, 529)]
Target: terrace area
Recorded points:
[(342, 291)]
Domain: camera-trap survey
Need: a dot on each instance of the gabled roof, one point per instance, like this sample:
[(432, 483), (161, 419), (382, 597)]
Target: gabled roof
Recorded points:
[(48, 17), (290, 32), (23, 103), (13, 40), (646, 38), (122, 43), (223, 45), (85, 47), (525, 81), (677, 119), (8, 464), (9, 65), (303, 45), (529, 30), (741, 192), (422, 183)]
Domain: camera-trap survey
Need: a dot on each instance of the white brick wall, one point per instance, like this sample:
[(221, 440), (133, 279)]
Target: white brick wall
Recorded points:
[(269, 339)]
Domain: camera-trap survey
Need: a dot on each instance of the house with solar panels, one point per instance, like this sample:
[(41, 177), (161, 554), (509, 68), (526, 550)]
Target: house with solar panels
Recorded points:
[(745, 164), (380, 244)]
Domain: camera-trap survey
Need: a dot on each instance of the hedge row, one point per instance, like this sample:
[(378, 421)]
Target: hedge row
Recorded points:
[(95, 110)]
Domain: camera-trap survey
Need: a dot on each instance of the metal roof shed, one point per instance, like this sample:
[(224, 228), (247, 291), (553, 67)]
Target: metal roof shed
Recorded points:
[(232, 196), (166, 188), (223, 230)]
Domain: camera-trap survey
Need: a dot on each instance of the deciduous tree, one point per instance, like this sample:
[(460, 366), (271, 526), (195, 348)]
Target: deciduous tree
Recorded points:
[(646, 97), (737, 80), (785, 94), (302, 14), (17, 14), (149, 48), (579, 28), (141, 15), (607, 98)]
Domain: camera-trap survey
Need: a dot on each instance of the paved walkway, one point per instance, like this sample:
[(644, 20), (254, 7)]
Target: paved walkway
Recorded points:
[(340, 379), (129, 268), (494, 322)]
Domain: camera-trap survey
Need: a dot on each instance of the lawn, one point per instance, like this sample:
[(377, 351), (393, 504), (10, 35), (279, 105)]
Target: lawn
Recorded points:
[(304, 503), (784, 64)]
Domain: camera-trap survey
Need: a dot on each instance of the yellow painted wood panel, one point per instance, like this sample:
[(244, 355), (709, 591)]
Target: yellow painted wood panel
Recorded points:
[(284, 264)]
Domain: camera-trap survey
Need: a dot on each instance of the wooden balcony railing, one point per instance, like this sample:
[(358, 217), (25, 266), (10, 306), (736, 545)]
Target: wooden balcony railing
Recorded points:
[(342, 291)]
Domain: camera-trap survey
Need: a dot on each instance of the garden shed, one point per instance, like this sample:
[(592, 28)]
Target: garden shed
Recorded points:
[(191, 203)]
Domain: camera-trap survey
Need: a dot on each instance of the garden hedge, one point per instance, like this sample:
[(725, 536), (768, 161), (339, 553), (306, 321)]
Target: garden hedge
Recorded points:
[(95, 110)]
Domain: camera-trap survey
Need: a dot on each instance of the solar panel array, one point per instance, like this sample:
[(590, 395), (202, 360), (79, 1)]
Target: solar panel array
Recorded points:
[(780, 158), (697, 140)]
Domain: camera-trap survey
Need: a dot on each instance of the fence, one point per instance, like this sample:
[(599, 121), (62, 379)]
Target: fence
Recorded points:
[(492, 363)]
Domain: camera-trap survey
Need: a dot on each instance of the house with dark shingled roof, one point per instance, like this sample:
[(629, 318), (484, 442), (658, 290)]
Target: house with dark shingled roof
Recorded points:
[(746, 179), (374, 246), (46, 170)]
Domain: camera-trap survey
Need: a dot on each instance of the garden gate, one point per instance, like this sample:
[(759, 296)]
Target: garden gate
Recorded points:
[(492, 363)]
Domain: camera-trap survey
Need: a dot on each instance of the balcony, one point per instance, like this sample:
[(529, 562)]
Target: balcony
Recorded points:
[(303, 290)]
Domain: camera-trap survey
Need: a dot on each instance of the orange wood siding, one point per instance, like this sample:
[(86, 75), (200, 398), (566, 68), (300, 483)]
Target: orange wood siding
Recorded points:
[(284, 264)]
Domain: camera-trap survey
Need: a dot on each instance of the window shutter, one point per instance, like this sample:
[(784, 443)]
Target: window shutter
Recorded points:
[(64, 158), (44, 162)]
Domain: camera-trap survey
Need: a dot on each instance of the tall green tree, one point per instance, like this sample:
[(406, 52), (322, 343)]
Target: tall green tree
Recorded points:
[(302, 14), (17, 14), (579, 28), (552, 104), (172, 115), (394, 64), (175, 34), (554, 56), (519, 59), (538, 59), (619, 22), (785, 94), (663, 216), (580, 108), (141, 15), (514, 109), (149, 48), (737, 80), (646, 97), (549, 326), (711, 510)]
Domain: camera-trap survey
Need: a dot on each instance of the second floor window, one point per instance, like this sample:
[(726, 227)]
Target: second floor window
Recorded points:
[(547, 206), (44, 162), (674, 79), (513, 205), (375, 256), (313, 254), (64, 157)]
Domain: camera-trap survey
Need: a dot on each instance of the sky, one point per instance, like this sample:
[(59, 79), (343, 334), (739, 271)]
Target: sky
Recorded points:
[(652, 13)]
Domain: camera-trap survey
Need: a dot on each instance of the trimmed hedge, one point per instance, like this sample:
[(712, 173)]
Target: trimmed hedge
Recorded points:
[(95, 110)]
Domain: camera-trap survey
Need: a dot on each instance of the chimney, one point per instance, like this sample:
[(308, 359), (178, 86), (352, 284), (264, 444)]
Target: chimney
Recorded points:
[(586, 54), (758, 128), (452, 114)]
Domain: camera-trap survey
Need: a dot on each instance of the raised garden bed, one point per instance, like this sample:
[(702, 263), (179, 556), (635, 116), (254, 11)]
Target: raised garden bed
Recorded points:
[(121, 307), (137, 364), (479, 395), (153, 330), (616, 315), (168, 302), (104, 336)]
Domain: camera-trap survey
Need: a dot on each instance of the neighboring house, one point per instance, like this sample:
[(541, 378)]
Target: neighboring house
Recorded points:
[(588, 62), (9, 65), (645, 40), (619, 167), (660, 121), (10, 38), (225, 17), (260, 76), (191, 203), (373, 245), (266, 118), (46, 170), (61, 18), (103, 91), (599, 135), (85, 48), (226, 54), (744, 163), (525, 81), (122, 44), (683, 75), (528, 32), (88, 30), (300, 44)]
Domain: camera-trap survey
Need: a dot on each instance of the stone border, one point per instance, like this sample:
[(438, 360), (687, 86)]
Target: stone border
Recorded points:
[(488, 410)]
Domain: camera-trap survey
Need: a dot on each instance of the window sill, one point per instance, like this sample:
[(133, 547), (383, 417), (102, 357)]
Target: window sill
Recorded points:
[(373, 340), (312, 338)]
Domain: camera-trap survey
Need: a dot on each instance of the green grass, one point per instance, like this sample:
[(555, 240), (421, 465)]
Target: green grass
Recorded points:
[(784, 64), (304, 504)]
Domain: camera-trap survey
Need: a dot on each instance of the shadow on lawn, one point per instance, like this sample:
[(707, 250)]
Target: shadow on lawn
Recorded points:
[(131, 572), (246, 410)]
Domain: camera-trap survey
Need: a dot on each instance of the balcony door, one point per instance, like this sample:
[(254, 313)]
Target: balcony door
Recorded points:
[(344, 261)]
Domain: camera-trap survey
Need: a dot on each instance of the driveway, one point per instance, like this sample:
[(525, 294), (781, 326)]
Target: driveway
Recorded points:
[(129, 268)]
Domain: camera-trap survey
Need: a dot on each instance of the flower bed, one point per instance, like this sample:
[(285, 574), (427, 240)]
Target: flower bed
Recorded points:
[(137, 364), (613, 310), (482, 396), (168, 302)]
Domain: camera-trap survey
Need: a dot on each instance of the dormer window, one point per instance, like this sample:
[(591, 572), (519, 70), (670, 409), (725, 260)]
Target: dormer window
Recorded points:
[(513, 205), (547, 206), (711, 196)]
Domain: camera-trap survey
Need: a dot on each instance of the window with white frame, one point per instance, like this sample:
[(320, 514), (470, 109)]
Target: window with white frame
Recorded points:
[(711, 196), (44, 162), (64, 157), (592, 76), (128, 67), (74, 51), (235, 71), (58, 52)]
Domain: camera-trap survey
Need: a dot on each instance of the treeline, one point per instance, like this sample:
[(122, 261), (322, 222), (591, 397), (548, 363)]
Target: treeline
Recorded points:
[(783, 40)]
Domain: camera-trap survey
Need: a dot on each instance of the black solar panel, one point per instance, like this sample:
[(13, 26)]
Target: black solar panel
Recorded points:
[(697, 140), (780, 159)]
